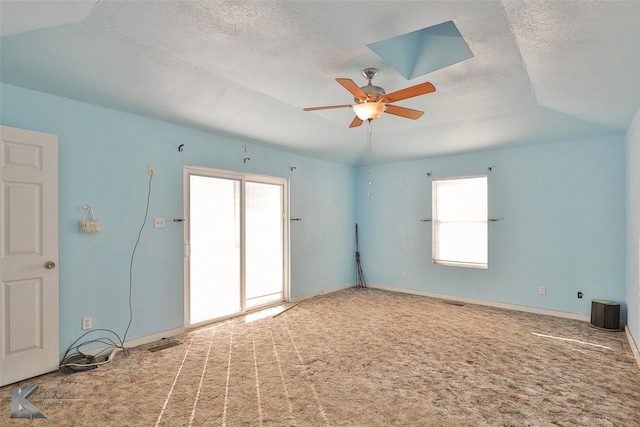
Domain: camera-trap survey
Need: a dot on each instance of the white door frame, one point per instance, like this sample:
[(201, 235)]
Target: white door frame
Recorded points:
[(243, 177), (29, 336)]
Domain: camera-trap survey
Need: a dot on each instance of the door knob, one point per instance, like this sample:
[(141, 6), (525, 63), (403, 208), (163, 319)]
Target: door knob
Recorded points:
[(50, 265)]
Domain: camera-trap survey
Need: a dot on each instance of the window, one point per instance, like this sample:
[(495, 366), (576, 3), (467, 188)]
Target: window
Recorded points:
[(460, 217)]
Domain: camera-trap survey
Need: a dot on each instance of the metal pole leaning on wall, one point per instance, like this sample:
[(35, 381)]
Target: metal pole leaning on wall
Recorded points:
[(360, 282)]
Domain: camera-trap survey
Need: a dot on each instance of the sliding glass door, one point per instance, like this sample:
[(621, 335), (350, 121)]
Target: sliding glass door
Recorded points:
[(215, 247), (236, 255), (264, 243)]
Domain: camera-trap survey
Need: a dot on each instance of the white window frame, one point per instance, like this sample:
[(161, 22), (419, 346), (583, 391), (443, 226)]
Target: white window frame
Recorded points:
[(474, 219)]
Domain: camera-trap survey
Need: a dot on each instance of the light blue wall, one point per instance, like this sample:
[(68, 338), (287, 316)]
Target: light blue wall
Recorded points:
[(561, 209), (633, 227), (561, 225), (103, 159)]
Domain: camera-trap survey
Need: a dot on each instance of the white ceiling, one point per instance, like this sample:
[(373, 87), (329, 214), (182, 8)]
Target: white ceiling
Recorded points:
[(542, 71)]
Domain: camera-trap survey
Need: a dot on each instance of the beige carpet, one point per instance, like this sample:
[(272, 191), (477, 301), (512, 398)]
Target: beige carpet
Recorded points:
[(359, 357)]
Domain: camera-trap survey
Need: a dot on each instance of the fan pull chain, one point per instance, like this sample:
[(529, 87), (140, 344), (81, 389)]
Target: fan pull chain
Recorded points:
[(369, 151)]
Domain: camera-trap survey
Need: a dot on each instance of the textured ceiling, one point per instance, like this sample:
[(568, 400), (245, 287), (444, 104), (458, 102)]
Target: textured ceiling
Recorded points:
[(542, 71), (423, 51)]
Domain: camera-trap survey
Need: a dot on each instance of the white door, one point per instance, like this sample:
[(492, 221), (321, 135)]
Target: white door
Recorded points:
[(29, 257), (237, 256)]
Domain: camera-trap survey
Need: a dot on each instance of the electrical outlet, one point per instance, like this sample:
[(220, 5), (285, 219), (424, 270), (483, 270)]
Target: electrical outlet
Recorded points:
[(152, 170), (86, 323), (542, 290), (158, 223)]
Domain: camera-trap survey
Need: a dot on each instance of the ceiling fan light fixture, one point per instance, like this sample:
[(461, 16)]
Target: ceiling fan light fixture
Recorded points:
[(369, 110), (371, 101)]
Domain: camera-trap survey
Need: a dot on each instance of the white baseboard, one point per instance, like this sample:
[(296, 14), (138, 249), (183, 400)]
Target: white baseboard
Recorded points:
[(324, 291), (153, 337), (139, 341), (535, 310), (634, 346)]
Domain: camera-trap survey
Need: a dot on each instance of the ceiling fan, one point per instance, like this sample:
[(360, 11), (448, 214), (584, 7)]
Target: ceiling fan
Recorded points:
[(371, 101)]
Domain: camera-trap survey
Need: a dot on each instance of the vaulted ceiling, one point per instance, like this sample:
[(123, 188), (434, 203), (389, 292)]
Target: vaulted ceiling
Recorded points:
[(541, 71)]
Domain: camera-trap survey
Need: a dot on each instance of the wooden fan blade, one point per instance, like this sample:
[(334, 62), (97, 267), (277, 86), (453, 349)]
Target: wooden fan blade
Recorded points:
[(357, 121), (352, 87), (328, 107), (404, 112), (409, 92)]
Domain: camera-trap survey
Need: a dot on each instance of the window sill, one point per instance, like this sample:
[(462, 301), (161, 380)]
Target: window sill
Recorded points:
[(480, 266)]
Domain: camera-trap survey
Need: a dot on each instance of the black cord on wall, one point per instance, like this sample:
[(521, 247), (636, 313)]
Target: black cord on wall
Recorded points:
[(133, 254), (74, 359)]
